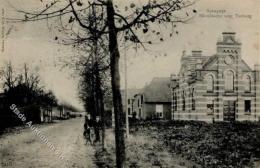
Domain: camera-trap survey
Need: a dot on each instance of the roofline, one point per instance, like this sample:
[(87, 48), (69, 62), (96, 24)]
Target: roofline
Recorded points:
[(228, 32), (247, 65), (152, 102), (223, 43)]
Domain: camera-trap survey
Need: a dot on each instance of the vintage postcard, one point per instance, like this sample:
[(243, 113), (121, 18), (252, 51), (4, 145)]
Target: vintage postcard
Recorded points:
[(129, 84)]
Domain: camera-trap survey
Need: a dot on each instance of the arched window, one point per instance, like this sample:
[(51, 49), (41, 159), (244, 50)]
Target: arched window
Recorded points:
[(183, 100), (192, 100), (210, 83), (229, 80), (247, 81)]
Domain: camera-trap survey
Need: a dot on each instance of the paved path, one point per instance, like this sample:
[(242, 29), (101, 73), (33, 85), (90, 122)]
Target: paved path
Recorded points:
[(27, 150)]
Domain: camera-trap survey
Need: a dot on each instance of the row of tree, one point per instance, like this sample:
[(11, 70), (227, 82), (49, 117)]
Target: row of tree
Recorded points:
[(23, 89), (95, 90)]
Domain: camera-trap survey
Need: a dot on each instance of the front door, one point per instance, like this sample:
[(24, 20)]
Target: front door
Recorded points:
[(229, 110)]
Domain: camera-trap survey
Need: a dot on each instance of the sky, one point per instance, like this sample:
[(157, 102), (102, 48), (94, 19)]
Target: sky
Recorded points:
[(34, 43)]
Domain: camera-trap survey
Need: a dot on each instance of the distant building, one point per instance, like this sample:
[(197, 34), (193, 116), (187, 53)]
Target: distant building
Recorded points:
[(221, 87), (154, 100), (59, 112), (130, 100), (56, 112)]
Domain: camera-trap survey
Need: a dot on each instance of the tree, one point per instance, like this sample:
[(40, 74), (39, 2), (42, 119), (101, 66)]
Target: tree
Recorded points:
[(9, 77), (112, 23), (92, 94), (23, 89), (31, 84), (93, 80)]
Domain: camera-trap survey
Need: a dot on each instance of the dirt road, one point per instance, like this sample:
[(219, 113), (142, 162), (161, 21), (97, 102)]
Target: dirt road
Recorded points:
[(26, 150)]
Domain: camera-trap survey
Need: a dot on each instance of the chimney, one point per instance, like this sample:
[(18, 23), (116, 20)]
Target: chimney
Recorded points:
[(196, 53), (184, 53), (198, 67), (199, 64), (174, 79)]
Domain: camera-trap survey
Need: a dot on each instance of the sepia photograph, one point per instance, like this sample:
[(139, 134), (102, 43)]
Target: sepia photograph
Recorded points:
[(129, 84)]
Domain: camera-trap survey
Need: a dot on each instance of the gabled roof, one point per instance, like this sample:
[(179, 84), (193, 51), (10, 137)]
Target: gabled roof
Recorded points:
[(158, 90), (211, 59)]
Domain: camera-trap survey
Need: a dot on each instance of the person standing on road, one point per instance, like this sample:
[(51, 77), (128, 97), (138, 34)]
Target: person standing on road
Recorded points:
[(97, 128), (87, 125)]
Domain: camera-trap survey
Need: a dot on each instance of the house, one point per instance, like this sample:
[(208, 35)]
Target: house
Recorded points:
[(130, 100), (221, 87), (154, 101), (56, 112), (59, 112)]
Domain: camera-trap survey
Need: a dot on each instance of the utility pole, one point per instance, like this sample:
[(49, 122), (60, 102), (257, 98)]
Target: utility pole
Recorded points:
[(126, 99)]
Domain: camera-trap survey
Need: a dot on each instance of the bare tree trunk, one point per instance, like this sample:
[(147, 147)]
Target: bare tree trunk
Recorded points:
[(102, 114), (115, 82), (100, 101)]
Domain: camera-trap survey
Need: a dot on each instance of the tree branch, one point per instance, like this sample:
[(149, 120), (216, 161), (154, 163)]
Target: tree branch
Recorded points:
[(145, 11)]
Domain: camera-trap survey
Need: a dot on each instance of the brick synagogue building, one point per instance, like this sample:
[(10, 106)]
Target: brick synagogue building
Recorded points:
[(221, 87)]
